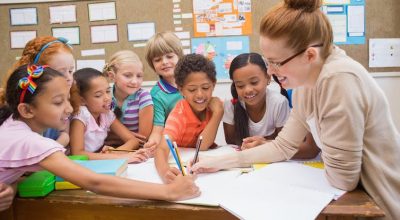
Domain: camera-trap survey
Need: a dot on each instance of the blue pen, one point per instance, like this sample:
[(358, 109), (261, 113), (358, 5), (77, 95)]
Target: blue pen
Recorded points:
[(171, 148)]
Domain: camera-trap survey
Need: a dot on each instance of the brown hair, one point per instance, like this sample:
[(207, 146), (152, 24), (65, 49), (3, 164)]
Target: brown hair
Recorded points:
[(301, 22), (30, 51), (163, 43)]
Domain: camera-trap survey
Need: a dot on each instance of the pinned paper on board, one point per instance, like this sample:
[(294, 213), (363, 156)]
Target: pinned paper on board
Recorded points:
[(69, 33), (104, 33), (18, 39), (141, 31), (23, 16), (62, 14), (102, 11)]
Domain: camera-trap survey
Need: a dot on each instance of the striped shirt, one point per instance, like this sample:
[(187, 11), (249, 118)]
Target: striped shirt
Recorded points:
[(131, 107), (183, 126)]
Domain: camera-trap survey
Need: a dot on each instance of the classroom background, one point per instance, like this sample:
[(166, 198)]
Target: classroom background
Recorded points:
[(368, 30)]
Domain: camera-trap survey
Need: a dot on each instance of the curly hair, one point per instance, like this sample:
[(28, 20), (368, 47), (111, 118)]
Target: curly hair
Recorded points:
[(194, 63)]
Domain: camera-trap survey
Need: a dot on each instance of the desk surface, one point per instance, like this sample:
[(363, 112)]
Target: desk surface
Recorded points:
[(80, 204)]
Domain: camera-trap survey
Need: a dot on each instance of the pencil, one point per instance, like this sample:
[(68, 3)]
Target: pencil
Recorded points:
[(120, 150), (171, 148), (179, 158), (196, 155)]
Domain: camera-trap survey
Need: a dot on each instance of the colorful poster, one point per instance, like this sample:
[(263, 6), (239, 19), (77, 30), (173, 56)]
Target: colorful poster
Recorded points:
[(221, 17), (221, 50)]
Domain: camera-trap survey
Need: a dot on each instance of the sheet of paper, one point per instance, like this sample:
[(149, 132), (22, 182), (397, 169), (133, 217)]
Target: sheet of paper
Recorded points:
[(20, 38), (234, 45), (183, 34), (355, 19), (70, 33), (336, 2), (185, 43), (103, 34), (102, 11), (257, 199), (23, 16), (141, 31), (384, 52), (339, 27), (62, 14), (187, 154), (93, 52), (95, 64)]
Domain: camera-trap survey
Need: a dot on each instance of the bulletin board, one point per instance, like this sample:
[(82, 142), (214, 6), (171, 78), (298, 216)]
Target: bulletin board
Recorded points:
[(382, 21)]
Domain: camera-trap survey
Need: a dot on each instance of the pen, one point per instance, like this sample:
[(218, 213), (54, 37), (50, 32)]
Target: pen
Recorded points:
[(196, 154), (179, 158), (171, 148)]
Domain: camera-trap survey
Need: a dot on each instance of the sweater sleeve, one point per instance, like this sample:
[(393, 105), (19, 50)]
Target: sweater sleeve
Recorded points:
[(341, 118)]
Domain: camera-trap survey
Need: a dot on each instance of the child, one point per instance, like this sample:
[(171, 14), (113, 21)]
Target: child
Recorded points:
[(255, 110), (37, 99), (335, 99), (163, 51), (7, 193), (132, 104), (197, 114), (93, 118), (56, 53)]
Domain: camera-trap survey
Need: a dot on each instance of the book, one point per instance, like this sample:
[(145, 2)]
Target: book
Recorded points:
[(65, 185), (115, 167)]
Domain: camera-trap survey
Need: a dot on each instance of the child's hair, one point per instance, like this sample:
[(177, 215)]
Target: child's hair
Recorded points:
[(283, 91), (120, 57), (301, 22), (162, 43), (82, 78), (17, 93), (38, 51), (241, 118), (194, 63)]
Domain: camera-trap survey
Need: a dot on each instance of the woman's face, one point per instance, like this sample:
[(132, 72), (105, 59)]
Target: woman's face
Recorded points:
[(292, 74)]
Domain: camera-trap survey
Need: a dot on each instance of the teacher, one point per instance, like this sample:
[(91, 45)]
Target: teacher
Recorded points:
[(335, 99)]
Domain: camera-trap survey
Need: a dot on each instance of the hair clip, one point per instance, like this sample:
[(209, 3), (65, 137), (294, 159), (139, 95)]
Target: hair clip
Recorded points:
[(27, 83), (234, 101)]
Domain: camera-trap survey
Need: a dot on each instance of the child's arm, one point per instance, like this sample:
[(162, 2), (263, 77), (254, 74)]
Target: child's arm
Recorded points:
[(155, 137), (182, 188), (230, 135), (167, 173), (131, 143), (7, 193), (146, 120), (63, 139), (210, 131), (77, 143)]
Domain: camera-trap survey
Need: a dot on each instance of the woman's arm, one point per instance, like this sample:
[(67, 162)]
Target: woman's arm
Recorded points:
[(308, 149), (59, 164)]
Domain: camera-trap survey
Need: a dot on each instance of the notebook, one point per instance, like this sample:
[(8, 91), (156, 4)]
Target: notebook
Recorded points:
[(115, 167)]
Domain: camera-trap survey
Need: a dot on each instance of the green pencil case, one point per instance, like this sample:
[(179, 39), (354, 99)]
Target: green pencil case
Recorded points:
[(38, 184), (78, 157)]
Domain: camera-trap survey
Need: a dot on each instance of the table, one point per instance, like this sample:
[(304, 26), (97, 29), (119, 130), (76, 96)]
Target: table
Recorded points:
[(80, 204)]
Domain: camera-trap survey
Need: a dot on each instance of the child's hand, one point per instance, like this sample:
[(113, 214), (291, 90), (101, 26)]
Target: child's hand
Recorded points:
[(251, 142), (6, 196), (151, 145), (138, 156), (182, 187), (216, 106), (142, 139), (107, 149), (171, 174)]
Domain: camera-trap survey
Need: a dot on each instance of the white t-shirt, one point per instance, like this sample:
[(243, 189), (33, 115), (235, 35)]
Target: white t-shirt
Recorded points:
[(276, 113)]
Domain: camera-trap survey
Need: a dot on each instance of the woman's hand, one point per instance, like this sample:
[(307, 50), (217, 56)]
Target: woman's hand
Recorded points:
[(182, 187), (206, 165), (251, 142)]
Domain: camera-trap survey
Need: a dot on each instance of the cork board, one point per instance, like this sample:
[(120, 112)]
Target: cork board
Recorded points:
[(382, 21)]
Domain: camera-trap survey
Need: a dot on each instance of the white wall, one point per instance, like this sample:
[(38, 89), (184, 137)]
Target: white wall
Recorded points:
[(389, 82)]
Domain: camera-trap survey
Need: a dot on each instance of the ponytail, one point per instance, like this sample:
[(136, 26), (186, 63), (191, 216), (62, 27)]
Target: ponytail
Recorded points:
[(240, 118)]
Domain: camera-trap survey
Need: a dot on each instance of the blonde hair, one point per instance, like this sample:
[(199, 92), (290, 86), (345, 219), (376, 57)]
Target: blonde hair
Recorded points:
[(300, 22), (121, 57), (163, 43)]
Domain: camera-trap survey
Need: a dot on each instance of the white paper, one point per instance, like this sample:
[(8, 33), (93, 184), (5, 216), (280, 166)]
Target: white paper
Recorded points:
[(176, 10), (355, 18), (95, 64), (139, 45), (334, 9), (23, 16), (94, 52), (187, 15), (177, 21), (187, 51), (102, 11), (187, 154), (384, 52), (62, 14), (336, 2), (141, 31), (234, 45), (103, 34), (230, 18), (339, 27), (178, 28), (70, 33), (176, 16), (20, 38), (185, 43), (203, 27), (176, 1), (232, 31), (183, 35), (176, 5), (225, 8)]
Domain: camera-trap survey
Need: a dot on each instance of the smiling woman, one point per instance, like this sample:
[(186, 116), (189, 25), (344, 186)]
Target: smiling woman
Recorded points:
[(335, 99)]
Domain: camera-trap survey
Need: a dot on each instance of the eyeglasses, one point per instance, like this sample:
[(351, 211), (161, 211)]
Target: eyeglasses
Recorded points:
[(277, 65)]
